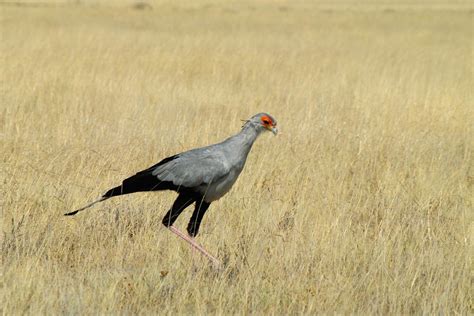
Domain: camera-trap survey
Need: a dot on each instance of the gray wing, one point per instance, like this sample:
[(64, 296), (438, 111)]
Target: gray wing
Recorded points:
[(193, 168)]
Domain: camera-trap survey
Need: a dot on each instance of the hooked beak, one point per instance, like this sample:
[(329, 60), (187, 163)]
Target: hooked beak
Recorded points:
[(274, 130)]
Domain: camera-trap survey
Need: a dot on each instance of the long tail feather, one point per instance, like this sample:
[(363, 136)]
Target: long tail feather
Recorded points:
[(85, 207)]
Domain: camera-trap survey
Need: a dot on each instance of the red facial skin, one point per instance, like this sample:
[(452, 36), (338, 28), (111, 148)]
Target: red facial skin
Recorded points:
[(266, 121)]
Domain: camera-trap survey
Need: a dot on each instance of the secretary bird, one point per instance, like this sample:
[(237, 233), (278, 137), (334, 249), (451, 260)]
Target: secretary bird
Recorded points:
[(199, 176)]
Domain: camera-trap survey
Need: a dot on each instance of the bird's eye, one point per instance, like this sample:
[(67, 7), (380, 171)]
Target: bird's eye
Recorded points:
[(266, 121)]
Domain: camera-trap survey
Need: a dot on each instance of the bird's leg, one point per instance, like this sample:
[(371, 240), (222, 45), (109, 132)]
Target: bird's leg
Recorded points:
[(195, 245), (182, 201), (196, 218)]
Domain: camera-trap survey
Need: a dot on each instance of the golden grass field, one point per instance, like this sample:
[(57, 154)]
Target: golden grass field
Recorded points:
[(363, 204)]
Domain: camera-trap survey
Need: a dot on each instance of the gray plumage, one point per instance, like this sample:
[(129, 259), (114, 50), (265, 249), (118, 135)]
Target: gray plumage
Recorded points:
[(200, 175), (212, 170)]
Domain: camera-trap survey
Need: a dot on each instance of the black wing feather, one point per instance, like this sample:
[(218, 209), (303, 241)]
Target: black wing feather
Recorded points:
[(143, 181)]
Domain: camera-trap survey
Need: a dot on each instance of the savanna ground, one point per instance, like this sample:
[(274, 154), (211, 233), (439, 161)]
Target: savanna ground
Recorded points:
[(362, 204)]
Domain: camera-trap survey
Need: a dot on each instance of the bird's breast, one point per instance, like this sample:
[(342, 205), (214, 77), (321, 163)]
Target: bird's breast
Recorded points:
[(219, 187)]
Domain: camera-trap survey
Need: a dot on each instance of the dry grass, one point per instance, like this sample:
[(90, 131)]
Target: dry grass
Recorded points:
[(363, 204)]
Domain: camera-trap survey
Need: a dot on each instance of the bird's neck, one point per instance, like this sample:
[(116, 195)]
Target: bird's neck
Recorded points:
[(249, 134), (245, 138)]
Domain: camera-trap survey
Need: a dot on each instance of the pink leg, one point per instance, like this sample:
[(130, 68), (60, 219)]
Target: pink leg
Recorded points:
[(195, 245)]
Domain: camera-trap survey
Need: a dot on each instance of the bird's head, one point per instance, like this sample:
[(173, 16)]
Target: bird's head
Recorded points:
[(263, 122)]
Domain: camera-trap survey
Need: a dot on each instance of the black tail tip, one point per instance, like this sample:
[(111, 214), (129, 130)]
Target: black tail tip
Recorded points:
[(71, 213)]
